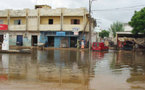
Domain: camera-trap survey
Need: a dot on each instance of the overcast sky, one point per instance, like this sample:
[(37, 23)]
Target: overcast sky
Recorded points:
[(104, 17)]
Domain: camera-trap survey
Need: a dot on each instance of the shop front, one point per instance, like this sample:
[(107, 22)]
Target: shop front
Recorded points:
[(59, 39)]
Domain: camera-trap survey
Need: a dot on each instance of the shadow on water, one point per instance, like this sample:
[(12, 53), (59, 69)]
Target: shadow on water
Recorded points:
[(84, 69)]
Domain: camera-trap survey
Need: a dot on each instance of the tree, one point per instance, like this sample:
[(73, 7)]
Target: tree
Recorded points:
[(104, 33), (138, 22), (116, 27)]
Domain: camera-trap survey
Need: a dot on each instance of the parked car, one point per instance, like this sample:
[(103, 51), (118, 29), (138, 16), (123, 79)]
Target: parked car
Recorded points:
[(99, 46)]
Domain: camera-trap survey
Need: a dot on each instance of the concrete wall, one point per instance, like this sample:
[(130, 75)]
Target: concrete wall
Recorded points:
[(43, 38), (71, 27), (49, 27), (17, 13), (5, 20), (3, 13), (74, 12), (50, 12), (23, 20), (67, 19), (17, 27), (32, 24), (27, 37), (32, 12), (44, 20)]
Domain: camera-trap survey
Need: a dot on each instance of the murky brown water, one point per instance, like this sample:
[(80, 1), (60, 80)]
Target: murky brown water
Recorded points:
[(73, 70)]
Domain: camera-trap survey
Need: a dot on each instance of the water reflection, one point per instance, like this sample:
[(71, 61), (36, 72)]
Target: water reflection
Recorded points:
[(134, 62), (80, 70)]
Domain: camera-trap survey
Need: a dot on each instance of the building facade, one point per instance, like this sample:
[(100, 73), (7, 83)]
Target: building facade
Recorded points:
[(57, 28)]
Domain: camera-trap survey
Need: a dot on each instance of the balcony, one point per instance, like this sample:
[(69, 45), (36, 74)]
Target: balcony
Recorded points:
[(17, 27), (49, 27), (71, 27)]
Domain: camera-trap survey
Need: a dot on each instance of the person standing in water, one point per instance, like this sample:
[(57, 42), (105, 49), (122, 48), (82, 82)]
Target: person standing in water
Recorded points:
[(82, 44)]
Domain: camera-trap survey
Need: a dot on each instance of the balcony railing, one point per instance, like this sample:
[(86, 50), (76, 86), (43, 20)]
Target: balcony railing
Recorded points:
[(72, 27), (50, 27), (17, 27)]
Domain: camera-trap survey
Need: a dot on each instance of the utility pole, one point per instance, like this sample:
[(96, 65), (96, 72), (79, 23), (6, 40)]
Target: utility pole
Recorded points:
[(90, 21)]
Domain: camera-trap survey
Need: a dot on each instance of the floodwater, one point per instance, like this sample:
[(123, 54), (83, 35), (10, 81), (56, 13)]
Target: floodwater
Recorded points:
[(73, 70)]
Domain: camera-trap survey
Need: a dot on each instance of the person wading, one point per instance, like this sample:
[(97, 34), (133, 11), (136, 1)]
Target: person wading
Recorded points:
[(82, 44)]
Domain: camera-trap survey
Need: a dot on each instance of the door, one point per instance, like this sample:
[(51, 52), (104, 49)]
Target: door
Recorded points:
[(73, 41), (50, 41), (1, 39), (34, 40), (64, 42), (19, 40), (57, 42)]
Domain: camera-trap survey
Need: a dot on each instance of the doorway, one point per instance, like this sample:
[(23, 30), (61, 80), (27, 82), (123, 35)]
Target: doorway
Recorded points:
[(34, 40), (73, 42), (50, 41), (19, 40), (1, 39)]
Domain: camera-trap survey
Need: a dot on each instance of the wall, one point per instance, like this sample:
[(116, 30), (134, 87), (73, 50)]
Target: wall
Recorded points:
[(23, 20), (44, 20), (5, 21), (74, 12), (3, 13), (67, 20), (32, 24), (50, 12), (67, 26), (27, 37), (17, 13), (43, 38)]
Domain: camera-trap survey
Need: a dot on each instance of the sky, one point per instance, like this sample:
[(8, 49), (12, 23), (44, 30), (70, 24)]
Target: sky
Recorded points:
[(104, 11)]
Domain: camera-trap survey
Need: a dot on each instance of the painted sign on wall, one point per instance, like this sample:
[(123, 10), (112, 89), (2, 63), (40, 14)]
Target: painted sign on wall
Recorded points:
[(3, 27)]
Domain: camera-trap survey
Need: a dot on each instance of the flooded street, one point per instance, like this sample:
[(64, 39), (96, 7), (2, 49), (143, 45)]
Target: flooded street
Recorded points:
[(73, 70)]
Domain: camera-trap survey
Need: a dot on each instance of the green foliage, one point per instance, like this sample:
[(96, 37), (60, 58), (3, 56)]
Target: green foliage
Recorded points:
[(116, 27), (138, 22), (104, 33)]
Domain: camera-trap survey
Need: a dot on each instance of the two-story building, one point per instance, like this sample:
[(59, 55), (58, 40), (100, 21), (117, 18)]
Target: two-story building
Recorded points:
[(59, 27)]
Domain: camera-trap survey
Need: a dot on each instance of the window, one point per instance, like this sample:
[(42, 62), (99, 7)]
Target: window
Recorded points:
[(17, 22), (1, 21), (75, 21), (50, 21)]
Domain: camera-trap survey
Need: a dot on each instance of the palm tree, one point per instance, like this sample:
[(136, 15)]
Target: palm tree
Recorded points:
[(116, 27)]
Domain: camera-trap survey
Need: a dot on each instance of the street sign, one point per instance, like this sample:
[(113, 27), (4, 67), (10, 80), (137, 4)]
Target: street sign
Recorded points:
[(76, 33), (75, 30)]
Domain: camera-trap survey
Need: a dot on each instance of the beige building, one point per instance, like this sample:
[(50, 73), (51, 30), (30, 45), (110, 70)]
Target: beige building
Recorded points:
[(59, 27)]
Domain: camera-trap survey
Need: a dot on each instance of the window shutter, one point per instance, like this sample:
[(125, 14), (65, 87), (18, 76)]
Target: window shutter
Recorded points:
[(78, 21), (72, 21)]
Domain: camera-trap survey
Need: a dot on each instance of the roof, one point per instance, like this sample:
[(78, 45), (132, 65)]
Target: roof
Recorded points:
[(123, 32)]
